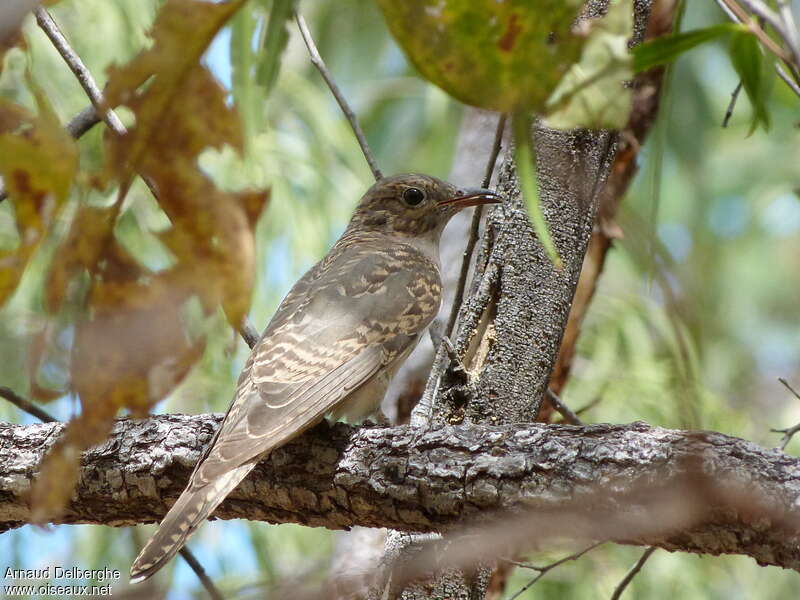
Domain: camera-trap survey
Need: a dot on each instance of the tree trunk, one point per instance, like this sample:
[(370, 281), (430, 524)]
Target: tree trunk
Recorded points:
[(512, 325)]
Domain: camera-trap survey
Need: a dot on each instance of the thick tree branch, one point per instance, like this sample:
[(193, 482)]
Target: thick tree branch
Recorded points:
[(698, 492)]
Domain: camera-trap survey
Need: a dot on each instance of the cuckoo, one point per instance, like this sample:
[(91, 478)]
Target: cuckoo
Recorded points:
[(333, 345)]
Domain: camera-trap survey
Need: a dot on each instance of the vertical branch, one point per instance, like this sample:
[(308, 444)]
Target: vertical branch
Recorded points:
[(474, 227), (521, 318)]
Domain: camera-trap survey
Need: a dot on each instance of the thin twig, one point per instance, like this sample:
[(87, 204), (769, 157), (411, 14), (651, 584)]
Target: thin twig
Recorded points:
[(249, 333), (762, 36), (74, 62), (201, 573), (546, 568), (732, 104), (789, 432), (632, 573), (762, 11), (787, 79), (317, 61), (87, 82), (474, 227), (790, 33), (784, 26), (30, 408), (82, 122), (589, 405), (564, 410), (724, 8), (26, 405)]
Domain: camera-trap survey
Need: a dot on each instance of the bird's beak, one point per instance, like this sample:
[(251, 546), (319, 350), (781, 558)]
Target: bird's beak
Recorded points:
[(471, 197)]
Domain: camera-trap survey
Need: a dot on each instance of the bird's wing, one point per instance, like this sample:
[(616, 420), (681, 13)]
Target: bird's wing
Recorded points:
[(216, 476), (368, 305)]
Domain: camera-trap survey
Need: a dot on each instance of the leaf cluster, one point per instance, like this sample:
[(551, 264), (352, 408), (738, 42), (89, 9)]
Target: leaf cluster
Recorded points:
[(133, 343)]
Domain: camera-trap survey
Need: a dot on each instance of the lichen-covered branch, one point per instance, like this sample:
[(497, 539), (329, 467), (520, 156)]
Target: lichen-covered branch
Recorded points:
[(691, 491)]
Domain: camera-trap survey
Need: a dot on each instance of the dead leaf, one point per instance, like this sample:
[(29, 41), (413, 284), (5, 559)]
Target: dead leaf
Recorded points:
[(39, 164)]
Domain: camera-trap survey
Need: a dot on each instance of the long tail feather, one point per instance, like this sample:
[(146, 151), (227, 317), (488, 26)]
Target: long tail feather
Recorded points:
[(192, 508)]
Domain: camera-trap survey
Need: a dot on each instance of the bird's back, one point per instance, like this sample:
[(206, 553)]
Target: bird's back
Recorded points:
[(349, 318)]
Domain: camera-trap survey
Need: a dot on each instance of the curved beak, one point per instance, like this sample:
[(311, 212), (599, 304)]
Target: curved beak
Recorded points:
[(471, 197)]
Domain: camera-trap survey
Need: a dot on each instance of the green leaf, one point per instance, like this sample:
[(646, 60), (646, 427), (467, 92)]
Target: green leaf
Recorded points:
[(503, 56), (246, 92), (593, 93), (274, 42), (664, 50), (754, 69), (525, 161)]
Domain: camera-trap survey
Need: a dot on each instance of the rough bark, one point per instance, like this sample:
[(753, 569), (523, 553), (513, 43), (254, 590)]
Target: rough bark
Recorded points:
[(359, 550), (473, 147), (692, 491), (512, 324), (646, 100)]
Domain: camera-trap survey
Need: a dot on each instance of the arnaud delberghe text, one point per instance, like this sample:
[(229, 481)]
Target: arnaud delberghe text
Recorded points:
[(53, 572)]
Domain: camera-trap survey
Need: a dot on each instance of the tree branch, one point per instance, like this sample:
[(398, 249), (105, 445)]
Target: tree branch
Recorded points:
[(466, 260), (700, 492), (25, 405), (317, 61), (632, 573), (74, 62)]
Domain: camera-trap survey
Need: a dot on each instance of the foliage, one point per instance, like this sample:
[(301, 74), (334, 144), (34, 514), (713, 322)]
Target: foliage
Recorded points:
[(522, 58), (504, 56), (754, 69), (178, 110), (593, 93), (666, 49), (40, 162)]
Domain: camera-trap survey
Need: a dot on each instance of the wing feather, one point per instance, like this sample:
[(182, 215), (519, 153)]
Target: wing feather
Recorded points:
[(226, 465), (349, 318)]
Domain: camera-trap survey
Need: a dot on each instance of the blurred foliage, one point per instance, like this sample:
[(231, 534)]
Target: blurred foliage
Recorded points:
[(593, 92), (503, 56), (695, 319), (133, 343)]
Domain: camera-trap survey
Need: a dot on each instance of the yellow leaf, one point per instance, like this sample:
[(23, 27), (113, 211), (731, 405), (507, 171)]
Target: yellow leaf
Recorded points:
[(39, 162), (80, 249), (182, 31)]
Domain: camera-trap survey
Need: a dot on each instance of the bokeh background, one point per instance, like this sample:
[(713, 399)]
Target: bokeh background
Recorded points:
[(697, 315)]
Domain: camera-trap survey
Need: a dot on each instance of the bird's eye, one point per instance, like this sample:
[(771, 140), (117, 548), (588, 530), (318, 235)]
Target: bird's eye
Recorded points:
[(413, 196)]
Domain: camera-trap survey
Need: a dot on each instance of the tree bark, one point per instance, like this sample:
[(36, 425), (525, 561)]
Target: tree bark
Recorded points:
[(512, 323), (698, 492)]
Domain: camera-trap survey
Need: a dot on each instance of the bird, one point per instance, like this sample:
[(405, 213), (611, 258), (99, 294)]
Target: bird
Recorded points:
[(332, 346)]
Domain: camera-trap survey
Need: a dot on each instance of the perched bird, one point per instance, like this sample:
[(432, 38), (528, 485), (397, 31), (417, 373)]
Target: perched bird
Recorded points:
[(333, 345)]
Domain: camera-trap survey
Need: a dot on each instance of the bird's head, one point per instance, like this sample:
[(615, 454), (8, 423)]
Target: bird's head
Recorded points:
[(414, 205)]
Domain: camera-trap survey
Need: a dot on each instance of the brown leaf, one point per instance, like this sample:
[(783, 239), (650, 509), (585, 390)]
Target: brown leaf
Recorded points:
[(42, 342), (129, 353), (80, 250), (212, 233), (132, 348), (39, 164), (182, 31)]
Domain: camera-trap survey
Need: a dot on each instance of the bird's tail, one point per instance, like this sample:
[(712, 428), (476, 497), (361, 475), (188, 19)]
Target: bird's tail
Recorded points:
[(192, 508)]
